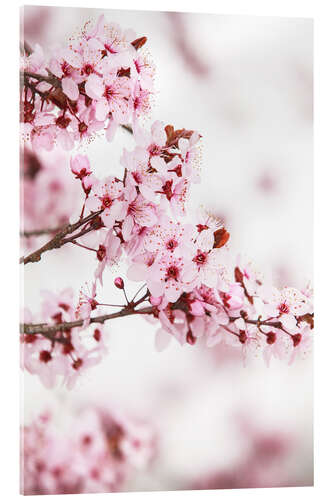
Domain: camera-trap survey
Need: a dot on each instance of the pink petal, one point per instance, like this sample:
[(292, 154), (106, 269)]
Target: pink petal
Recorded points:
[(94, 87), (102, 109), (70, 88), (111, 130)]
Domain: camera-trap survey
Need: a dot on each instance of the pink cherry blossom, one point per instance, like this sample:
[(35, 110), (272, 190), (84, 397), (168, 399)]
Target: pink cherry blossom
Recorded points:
[(191, 284), (98, 81), (105, 196), (80, 166), (170, 275), (169, 237)]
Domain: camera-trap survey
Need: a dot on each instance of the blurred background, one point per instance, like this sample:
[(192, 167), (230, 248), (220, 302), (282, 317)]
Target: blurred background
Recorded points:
[(245, 83)]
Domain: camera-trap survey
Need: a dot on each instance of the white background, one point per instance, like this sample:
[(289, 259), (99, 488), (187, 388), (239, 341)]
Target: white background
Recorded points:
[(323, 162)]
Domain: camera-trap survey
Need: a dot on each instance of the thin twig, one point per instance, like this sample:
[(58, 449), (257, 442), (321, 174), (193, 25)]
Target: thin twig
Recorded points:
[(59, 239), (41, 232)]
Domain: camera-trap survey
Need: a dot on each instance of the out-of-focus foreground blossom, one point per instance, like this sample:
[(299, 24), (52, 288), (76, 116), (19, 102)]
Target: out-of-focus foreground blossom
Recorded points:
[(96, 450)]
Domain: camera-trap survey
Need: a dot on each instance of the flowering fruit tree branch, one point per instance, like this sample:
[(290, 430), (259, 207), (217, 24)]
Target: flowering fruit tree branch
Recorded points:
[(195, 287), (48, 330)]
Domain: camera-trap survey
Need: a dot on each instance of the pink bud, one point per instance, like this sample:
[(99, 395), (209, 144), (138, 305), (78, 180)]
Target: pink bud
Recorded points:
[(190, 339), (80, 166), (119, 283), (155, 301)]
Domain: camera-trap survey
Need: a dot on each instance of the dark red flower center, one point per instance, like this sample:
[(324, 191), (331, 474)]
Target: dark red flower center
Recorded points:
[(88, 69), (86, 440), (77, 364), (171, 244), (172, 273), (283, 308), (45, 356), (66, 68), (57, 317), (29, 338), (242, 337), (93, 304), (106, 201), (83, 127), (200, 258), (108, 92), (271, 337), (101, 252), (97, 335)]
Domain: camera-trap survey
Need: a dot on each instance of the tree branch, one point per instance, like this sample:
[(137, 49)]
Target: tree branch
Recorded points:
[(51, 79), (59, 239), (41, 232), (55, 82), (47, 330)]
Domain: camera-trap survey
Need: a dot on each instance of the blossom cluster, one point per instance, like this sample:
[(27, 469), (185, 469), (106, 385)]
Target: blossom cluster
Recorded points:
[(68, 353), (99, 81), (197, 289), (97, 452), (194, 286), (49, 196), (264, 462)]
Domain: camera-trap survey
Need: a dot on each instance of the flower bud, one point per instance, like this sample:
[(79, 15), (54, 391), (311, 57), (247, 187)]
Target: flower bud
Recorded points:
[(190, 339), (242, 337), (155, 301), (119, 283), (271, 338), (101, 253)]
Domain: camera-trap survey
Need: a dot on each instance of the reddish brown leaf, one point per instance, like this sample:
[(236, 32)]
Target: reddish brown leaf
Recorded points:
[(221, 236), (124, 72), (139, 42), (308, 318)]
